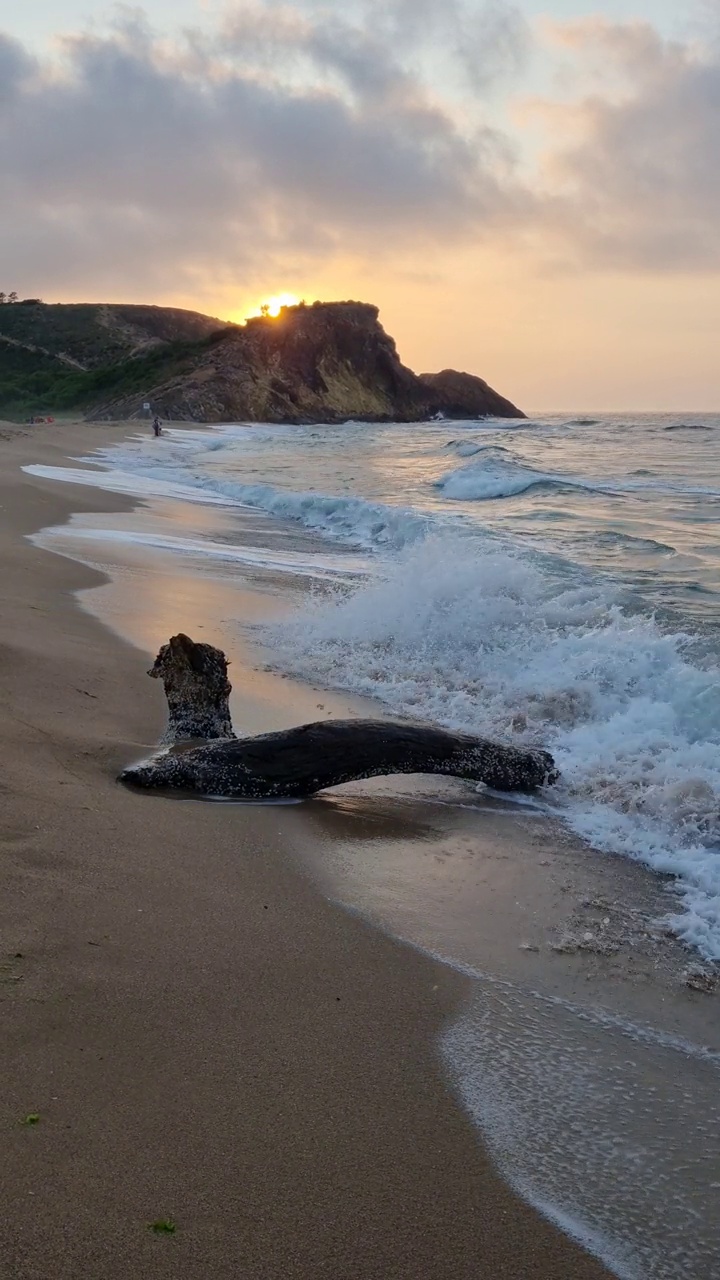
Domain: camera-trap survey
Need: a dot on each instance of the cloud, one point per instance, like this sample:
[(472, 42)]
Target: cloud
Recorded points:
[(293, 131), (494, 42), (286, 132), (483, 38), (16, 66), (632, 178)]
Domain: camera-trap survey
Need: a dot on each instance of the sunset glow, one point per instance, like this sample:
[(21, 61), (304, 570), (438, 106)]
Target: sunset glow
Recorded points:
[(365, 351), (572, 258), (274, 305)]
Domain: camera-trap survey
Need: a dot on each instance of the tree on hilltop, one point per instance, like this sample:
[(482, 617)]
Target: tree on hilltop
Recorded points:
[(12, 297)]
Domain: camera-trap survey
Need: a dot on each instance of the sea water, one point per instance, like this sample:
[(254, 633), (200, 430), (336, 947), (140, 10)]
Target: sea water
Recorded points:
[(554, 581)]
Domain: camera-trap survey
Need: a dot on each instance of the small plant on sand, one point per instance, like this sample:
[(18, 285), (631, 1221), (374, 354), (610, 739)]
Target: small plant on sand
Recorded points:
[(163, 1227), (29, 1120)]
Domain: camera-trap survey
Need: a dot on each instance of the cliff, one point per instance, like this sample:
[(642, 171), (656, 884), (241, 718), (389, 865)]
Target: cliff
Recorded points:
[(323, 363), (462, 395)]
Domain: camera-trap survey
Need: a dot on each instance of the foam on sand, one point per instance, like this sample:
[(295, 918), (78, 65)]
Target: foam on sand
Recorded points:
[(594, 1123), (351, 520)]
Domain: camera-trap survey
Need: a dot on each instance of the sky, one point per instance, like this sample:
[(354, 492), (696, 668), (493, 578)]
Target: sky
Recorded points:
[(528, 189)]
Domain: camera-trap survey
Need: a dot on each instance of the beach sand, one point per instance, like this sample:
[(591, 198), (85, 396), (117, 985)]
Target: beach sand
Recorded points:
[(204, 1037)]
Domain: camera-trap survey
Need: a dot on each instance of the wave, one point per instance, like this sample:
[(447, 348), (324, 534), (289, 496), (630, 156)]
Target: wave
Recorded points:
[(466, 448), (319, 567), (494, 643), (150, 484), (687, 426), (495, 476), (489, 424), (175, 472), (352, 520), (476, 638), (630, 542), (469, 448), (369, 524), (358, 521)]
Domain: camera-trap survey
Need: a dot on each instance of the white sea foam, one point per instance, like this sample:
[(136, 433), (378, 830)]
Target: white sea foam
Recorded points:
[(491, 643), (133, 483), (320, 567), (353, 520), (584, 1114), (174, 472), (496, 473), (492, 479), (453, 631), (577, 1106)]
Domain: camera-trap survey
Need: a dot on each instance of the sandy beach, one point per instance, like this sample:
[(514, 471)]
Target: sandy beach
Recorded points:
[(204, 1037)]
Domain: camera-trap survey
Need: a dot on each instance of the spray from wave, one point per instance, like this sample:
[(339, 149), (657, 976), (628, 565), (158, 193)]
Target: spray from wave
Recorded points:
[(494, 643)]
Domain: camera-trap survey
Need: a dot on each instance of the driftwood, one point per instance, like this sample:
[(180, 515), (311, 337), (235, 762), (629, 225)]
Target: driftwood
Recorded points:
[(299, 762), (197, 690)]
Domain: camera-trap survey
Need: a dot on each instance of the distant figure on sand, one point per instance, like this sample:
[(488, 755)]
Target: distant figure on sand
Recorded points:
[(157, 429)]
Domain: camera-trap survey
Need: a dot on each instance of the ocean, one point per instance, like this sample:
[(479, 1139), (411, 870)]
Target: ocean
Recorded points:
[(554, 581)]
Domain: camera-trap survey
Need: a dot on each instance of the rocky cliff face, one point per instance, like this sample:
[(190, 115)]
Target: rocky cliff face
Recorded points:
[(325, 363), (462, 395)]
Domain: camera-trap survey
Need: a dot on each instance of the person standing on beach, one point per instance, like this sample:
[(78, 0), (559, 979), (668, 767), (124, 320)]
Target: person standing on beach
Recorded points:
[(157, 429)]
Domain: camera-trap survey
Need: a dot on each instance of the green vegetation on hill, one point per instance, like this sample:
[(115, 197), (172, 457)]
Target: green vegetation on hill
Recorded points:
[(94, 334), (32, 383), (325, 363), (72, 331), (60, 357)]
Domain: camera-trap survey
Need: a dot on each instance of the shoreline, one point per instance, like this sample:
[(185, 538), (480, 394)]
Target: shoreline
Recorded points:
[(168, 978), (136, 611)]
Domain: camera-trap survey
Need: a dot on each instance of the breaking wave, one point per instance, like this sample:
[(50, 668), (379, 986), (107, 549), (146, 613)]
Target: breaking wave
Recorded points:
[(490, 642), (352, 520), (495, 472), (496, 475)]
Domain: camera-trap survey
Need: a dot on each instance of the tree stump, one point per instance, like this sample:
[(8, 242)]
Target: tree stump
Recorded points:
[(298, 762), (197, 690)]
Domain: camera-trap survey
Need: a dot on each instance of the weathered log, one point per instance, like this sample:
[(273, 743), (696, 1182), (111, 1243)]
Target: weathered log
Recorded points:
[(301, 761), (197, 690)]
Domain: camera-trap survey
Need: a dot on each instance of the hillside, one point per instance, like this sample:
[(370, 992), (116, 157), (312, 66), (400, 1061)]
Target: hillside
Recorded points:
[(64, 357), (327, 362), (89, 335)]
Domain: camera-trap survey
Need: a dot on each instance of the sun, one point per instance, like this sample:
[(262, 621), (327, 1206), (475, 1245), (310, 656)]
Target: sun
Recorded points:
[(276, 304), (273, 306)]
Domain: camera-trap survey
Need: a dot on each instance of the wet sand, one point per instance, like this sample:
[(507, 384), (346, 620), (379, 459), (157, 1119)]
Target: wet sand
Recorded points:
[(204, 1037)]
